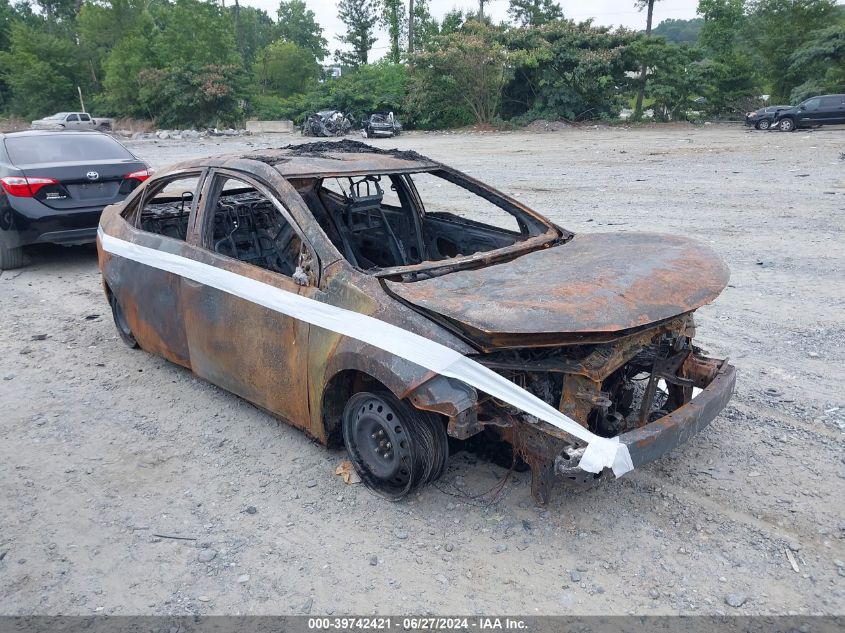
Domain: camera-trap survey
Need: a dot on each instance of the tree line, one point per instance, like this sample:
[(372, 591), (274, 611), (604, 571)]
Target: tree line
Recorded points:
[(202, 63)]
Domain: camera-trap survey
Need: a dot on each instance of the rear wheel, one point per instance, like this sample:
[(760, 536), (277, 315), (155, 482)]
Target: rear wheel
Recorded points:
[(786, 125), (121, 323), (394, 447), (763, 124), (10, 257)]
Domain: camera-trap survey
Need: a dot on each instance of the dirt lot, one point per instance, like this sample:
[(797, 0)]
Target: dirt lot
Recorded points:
[(102, 448)]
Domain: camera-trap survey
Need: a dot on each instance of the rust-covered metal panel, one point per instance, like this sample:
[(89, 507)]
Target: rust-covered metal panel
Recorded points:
[(595, 283)]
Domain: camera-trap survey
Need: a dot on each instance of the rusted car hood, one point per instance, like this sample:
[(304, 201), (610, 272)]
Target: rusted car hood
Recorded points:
[(598, 283)]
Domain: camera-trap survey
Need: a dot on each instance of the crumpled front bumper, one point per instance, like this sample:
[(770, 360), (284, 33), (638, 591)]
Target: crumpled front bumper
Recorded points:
[(655, 439)]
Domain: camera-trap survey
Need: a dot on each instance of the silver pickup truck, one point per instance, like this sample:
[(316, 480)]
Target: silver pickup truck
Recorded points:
[(72, 121)]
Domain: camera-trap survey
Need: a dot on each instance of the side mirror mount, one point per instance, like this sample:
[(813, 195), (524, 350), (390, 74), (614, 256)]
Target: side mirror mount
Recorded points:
[(304, 275)]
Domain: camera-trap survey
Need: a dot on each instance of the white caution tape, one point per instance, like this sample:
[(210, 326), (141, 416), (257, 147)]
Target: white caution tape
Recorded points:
[(600, 453)]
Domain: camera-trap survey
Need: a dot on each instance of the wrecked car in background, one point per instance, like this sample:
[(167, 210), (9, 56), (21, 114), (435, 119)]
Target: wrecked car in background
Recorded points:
[(384, 301), (382, 124), (327, 123)]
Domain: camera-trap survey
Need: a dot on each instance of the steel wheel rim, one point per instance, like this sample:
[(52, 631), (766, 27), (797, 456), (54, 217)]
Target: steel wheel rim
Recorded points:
[(764, 125), (381, 445)]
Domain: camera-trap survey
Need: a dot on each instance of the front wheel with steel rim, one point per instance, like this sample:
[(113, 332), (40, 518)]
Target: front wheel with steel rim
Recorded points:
[(394, 447), (786, 125), (121, 323), (763, 124)]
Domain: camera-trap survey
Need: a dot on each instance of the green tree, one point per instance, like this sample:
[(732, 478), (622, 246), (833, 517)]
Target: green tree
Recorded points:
[(9, 16), (568, 70), (775, 29), (192, 94), (534, 12), (676, 79), (298, 24), (460, 78), (452, 22), (102, 25), (122, 69), (723, 21), (58, 12), (256, 30), (193, 32), (821, 62), (392, 17), (648, 5), (679, 31), (284, 69), (730, 67), (360, 18), (425, 26), (42, 70)]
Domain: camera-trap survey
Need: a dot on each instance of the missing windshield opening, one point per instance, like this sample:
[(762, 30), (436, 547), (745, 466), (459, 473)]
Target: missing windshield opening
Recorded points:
[(384, 222)]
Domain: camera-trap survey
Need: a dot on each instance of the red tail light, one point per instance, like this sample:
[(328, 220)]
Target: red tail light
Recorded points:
[(25, 187), (141, 174)]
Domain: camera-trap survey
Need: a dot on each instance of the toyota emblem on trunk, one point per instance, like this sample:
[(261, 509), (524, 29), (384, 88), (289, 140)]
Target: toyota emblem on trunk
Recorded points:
[(92, 175)]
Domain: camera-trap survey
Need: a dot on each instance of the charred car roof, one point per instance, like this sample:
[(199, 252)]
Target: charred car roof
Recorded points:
[(325, 159)]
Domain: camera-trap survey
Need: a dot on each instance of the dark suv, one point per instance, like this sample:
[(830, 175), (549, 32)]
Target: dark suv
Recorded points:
[(816, 111), (763, 118)]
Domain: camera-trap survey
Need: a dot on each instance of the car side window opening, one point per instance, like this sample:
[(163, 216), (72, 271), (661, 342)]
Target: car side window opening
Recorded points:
[(248, 226), (812, 104), (84, 117), (167, 206), (73, 117), (385, 221), (831, 102)]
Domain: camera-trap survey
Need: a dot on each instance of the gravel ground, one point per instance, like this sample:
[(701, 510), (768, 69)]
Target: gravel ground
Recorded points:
[(103, 450)]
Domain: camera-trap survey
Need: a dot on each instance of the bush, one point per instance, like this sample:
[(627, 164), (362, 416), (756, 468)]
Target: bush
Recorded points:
[(192, 95), (271, 108)]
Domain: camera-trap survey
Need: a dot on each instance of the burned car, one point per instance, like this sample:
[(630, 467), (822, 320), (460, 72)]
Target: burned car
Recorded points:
[(381, 124), (386, 302), (327, 123)]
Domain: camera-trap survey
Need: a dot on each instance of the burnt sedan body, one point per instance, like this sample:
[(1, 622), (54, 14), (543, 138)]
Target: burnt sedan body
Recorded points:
[(54, 185), (385, 301)]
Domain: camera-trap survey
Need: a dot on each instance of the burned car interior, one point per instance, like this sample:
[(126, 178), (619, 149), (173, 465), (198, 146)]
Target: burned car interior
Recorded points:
[(384, 221), (167, 209), (246, 225)]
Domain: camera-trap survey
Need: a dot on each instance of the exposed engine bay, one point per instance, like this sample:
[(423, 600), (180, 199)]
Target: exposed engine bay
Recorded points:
[(610, 388)]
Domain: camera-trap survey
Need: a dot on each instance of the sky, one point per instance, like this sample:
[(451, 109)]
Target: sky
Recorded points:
[(603, 12)]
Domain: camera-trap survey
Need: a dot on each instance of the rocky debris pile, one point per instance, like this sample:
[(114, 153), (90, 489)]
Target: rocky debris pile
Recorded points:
[(543, 125), (180, 135)]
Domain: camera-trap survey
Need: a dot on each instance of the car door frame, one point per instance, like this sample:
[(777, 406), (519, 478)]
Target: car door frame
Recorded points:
[(68, 123), (807, 116), (256, 353), (839, 118), (834, 112), (150, 298)]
